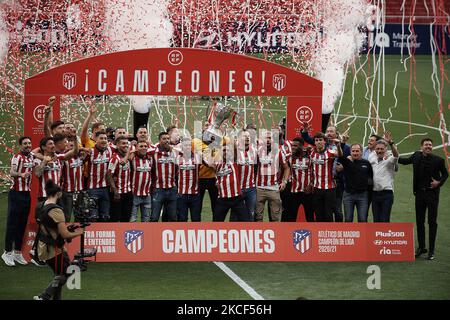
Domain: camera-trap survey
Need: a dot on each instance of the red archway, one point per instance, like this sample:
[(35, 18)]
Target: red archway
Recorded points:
[(171, 72)]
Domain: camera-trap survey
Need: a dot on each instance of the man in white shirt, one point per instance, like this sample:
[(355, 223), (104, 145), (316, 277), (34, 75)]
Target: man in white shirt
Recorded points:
[(383, 166)]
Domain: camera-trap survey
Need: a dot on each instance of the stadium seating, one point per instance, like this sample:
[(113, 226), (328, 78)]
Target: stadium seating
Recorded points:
[(417, 11)]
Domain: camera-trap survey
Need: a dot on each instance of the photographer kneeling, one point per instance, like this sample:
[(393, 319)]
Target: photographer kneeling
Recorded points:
[(51, 236)]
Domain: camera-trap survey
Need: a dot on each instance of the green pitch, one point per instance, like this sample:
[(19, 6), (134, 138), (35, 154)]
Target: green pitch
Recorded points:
[(409, 123)]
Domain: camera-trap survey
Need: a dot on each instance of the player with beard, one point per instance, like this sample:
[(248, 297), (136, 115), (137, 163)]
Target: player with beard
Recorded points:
[(331, 134), (72, 181), (164, 171), (324, 196), (141, 182), (119, 177), (301, 188), (19, 201), (270, 160), (49, 168), (247, 161), (229, 185), (97, 184)]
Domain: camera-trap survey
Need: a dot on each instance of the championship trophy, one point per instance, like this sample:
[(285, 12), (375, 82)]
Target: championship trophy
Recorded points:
[(213, 134)]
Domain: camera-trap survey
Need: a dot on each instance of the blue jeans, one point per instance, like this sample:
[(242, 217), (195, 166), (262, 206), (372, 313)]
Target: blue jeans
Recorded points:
[(102, 196), (382, 202), (249, 196), (143, 202), (189, 202), (166, 198), (361, 201)]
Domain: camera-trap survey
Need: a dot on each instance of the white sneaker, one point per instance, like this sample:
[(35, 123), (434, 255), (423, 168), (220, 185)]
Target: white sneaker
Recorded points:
[(8, 258), (19, 258), (37, 298)]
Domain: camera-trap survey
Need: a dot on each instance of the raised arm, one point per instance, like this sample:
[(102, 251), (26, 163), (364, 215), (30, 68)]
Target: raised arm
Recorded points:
[(48, 116), (87, 121), (208, 158), (340, 153), (388, 137), (408, 160), (305, 134)]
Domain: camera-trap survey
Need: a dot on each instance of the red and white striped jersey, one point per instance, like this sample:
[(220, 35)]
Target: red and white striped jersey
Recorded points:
[(164, 168), (52, 171), (112, 146), (98, 167), (152, 147), (269, 165), (300, 173), (247, 160), (322, 169), (22, 164), (121, 173), (228, 179), (141, 181), (72, 175), (188, 170), (287, 148)]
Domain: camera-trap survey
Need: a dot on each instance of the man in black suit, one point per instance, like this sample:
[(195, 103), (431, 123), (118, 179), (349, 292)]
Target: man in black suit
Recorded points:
[(429, 174)]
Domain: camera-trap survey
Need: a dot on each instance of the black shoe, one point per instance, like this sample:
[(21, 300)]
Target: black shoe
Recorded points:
[(430, 256), (420, 251)]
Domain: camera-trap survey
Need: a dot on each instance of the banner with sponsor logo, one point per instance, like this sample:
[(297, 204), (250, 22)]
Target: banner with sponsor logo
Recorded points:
[(234, 241), (398, 38)]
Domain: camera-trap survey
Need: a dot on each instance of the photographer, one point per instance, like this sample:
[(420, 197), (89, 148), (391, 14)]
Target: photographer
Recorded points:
[(52, 235)]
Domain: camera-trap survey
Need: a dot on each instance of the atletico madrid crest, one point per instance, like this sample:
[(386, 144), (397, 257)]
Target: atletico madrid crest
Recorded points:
[(302, 240), (69, 80), (134, 240), (279, 81)]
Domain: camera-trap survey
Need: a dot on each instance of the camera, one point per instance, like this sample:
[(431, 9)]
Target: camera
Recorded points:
[(83, 206)]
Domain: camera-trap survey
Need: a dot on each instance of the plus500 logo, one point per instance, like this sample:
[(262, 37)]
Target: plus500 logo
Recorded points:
[(389, 234)]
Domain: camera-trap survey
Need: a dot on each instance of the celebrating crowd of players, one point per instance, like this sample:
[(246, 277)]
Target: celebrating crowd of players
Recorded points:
[(169, 178)]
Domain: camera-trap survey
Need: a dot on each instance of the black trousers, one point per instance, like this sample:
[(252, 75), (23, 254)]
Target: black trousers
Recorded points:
[(239, 211), (121, 209), (337, 211), (295, 201), (427, 199), (18, 211), (285, 197), (324, 201), (210, 185), (59, 265)]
